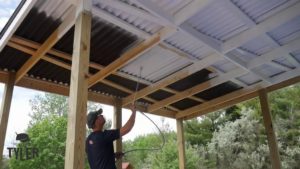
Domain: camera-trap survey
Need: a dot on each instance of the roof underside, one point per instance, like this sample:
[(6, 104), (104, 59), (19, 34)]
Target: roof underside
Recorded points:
[(211, 50)]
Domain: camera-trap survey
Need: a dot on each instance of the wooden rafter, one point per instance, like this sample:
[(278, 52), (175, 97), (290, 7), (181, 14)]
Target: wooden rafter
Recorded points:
[(124, 59), (212, 105), (196, 89), (51, 41), (173, 78)]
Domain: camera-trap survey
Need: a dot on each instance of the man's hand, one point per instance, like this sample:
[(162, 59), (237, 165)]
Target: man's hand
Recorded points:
[(119, 155)]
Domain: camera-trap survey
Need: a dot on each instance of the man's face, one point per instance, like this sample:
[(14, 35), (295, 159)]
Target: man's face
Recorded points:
[(100, 119)]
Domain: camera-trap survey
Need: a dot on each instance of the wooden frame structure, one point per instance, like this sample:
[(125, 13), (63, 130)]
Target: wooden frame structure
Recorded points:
[(82, 80)]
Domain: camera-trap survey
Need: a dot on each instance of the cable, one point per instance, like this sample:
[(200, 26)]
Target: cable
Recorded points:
[(160, 132)]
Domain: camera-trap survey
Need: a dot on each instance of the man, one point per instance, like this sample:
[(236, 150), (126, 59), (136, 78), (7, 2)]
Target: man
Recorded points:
[(99, 144)]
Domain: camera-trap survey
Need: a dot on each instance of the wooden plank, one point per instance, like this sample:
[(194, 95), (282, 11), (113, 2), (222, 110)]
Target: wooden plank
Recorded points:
[(51, 41), (181, 144), (16, 22), (76, 130), (172, 78), (271, 136), (5, 108), (233, 98), (124, 59), (117, 124), (268, 24), (196, 89)]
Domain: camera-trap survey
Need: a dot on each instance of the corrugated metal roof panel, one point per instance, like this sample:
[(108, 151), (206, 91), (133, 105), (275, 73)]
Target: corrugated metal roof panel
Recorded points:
[(188, 45), (217, 21), (268, 70), (134, 20), (296, 54), (107, 90), (287, 32), (171, 6), (12, 59), (244, 55), (156, 64), (218, 90), (259, 10), (190, 81), (284, 62), (249, 78), (185, 103), (160, 95), (224, 65), (258, 46), (49, 71)]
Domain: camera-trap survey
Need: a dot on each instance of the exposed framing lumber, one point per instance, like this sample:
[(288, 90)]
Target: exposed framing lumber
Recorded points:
[(75, 147), (270, 23), (51, 40), (16, 22), (17, 43), (181, 144), (173, 78), (117, 124), (271, 136), (242, 94), (280, 51), (196, 89), (46, 86), (123, 59), (5, 108)]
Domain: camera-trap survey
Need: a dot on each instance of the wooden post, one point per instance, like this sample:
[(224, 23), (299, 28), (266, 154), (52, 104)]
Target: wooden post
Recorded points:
[(117, 124), (275, 158), (180, 144), (5, 107), (76, 132)]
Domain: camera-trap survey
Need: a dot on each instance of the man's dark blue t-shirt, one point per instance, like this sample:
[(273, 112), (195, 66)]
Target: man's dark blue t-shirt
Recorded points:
[(100, 149)]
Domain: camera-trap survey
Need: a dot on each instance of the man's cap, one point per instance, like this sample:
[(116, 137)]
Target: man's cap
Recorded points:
[(92, 116)]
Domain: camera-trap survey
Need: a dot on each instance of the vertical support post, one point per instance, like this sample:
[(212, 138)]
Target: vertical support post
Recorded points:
[(180, 144), (275, 158), (76, 131), (117, 124), (5, 108)]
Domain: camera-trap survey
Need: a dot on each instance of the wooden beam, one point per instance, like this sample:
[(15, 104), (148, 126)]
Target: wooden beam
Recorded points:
[(172, 78), (272, 22), (124, 59), (271, 136), (51, 41), (235, 97), (76, 130), (16, 22), (117, 124), (196, 89), (181, 144), (5, 108)]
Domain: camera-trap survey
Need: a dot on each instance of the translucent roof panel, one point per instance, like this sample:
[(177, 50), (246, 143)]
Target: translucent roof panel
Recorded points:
[(7, 11)]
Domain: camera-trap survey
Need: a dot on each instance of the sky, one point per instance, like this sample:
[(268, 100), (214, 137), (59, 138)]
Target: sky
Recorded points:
[(6, 10), (20, 109)]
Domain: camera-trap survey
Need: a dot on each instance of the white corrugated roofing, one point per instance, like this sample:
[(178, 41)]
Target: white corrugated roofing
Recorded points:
[(258, 46), (259, 10), (287, 32), (224, 65), (190, 46), (268, 70), (249, 78), (156, 64), (218, 22)]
